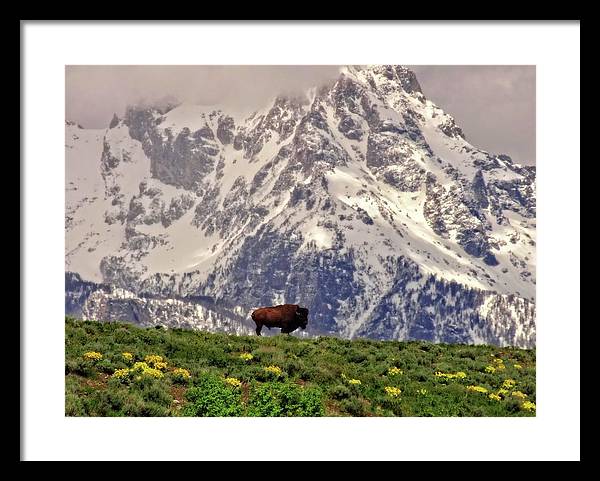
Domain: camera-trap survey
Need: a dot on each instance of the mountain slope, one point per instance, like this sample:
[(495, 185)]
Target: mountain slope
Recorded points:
[(361, 200)]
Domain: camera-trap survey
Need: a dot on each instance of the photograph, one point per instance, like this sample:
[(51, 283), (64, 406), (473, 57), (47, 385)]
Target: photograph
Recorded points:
[(300, 240)]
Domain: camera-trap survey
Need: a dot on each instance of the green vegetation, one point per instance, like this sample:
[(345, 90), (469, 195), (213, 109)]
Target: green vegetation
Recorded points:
[(117, 369)]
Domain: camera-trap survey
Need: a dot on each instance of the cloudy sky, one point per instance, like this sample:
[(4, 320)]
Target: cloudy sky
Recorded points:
[(494, 105)]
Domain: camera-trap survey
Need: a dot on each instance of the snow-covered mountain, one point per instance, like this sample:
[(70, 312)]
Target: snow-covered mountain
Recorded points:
[(361, 200)]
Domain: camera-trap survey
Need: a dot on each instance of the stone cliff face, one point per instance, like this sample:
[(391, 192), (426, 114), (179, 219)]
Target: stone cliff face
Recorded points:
[(362, 200)]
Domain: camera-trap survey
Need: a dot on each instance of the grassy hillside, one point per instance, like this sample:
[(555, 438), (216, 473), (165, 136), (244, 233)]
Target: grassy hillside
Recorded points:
[(114, 369)]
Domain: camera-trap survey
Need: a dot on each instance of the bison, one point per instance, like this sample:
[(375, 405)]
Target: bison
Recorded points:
[(288, 317)]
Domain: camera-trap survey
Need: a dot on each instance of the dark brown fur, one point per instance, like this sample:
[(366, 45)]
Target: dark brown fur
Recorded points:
[(288, 317)]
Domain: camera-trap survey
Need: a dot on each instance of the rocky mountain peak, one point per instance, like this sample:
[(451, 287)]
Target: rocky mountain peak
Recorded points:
[(386, 77)]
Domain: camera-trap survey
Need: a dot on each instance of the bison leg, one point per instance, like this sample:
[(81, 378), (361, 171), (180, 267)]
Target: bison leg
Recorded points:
[(258, 329)]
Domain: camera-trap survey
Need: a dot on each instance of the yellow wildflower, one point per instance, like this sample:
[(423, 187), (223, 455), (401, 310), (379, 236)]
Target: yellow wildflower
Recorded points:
[(140, 366), (528, 406), (393, 371), (490, 369), (509, 383), (92, 356), (156, 361), (274, 370), (519, 394), (477, 389), (233, 381), (152, 358), (457, 375), (146, 370), (354, 381), (153, 373), (127, 356), (181, 373), (499, 364), (392, 391), (246, 356), (503, 392), (160, 365), (495, 397), (121, 373), (517, 366)]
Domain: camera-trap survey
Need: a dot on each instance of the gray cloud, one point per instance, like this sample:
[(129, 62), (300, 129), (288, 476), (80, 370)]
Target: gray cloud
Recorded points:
[(495, 105), (94, 93)]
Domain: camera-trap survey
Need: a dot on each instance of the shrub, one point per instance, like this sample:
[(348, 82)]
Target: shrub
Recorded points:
[(320, 374), (293, 367), (285, 399), (512, 405), (79, 366), (74, 405), (356, 357), (340, 392), (392, 403), (156, 392), (122, 335), (211, 396), (216, 357), (105, 365), (353, 406)]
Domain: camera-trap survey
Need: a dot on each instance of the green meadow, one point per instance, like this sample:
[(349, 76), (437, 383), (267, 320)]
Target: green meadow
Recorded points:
[(118, 369)]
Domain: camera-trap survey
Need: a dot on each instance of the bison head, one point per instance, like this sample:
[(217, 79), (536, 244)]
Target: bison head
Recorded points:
[(302, 317)]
